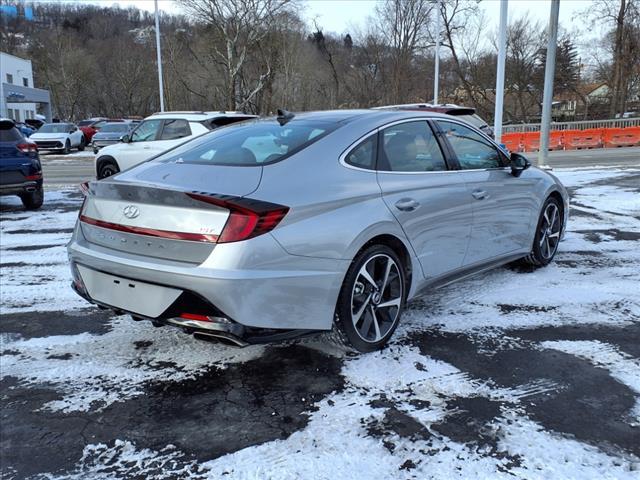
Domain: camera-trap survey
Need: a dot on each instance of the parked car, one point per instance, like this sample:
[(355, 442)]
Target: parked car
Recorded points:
[(111, 133), (158, 133), (59, 136), (25, 129), (272, 228), (465, 113), (20, 169), (34, 123), (93, 125)]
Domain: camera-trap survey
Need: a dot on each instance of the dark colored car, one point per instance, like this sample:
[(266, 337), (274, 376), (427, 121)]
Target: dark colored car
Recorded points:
[(111, 133), (34, 123), (93, 125), (20, 169), (465, 113)]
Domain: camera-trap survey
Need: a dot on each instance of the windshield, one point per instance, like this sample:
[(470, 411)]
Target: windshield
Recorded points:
[(115, 127), (55, 128), (474, 120), (253, 143)]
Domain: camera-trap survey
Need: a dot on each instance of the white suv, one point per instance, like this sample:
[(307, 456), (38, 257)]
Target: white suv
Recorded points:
[(157, 133)]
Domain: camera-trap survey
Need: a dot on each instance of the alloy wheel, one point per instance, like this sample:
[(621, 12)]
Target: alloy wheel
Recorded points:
[(376, 298), (550, 231)]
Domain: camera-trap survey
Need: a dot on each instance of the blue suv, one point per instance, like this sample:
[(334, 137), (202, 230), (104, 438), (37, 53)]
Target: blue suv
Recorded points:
[(20, 168)]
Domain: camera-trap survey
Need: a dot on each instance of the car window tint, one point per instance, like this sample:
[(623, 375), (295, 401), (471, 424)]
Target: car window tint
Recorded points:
[(410, 147), (175, 128), (250, 143), (364, 155), (472, 149), (146, 131), (10, 135)]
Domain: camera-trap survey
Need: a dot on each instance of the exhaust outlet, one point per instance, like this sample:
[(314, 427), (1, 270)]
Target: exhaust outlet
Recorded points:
[(220, 337)]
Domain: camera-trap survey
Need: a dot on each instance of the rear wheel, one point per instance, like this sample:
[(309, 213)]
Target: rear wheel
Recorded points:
[(33, 200), (548, 232), (371, 299), (107, 169)]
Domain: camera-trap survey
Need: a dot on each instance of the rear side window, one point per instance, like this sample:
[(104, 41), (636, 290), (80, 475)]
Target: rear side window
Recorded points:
[(175, 128), (251, 143), (10, 134), (364, 155), (410, 147)]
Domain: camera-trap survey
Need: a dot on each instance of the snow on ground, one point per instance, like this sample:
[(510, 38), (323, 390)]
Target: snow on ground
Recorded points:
[(514, 373)]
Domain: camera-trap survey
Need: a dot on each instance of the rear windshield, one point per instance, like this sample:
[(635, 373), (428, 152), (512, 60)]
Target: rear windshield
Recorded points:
[(115, 127), (55, 128), (86, 123), (251, 143), (11, 134)]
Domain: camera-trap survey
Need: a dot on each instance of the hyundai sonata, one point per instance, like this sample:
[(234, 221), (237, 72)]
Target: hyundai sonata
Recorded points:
[(318, 221)]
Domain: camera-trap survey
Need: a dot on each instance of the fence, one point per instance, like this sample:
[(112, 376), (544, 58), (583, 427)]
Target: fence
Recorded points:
[(575, 135)]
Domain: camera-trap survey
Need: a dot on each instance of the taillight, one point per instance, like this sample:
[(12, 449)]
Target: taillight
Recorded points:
[(36, 176), (27, 147), (247, 218)]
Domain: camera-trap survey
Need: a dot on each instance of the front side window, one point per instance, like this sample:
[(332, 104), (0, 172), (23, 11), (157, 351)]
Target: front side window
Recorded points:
[(473, 151), (250, 143), (175, 128), (364, 155), (146, 131), (410, 147)]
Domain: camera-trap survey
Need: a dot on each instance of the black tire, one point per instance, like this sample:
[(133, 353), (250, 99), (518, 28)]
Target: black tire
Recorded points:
[(82, 144), (33, 200), (67, 148), (547, 238), (363, 321), (106, 168)]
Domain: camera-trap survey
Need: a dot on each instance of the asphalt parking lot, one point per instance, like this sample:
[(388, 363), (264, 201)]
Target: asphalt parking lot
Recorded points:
[(514, 373)]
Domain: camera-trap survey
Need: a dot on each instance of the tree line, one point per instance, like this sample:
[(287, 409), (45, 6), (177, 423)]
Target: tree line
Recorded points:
[(260, 55)]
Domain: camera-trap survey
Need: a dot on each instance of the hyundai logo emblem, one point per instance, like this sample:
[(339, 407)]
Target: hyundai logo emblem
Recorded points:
[(131, 211)]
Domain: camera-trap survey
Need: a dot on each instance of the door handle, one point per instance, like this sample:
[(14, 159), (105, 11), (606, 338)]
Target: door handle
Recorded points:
[(479, 194), (407, 204)]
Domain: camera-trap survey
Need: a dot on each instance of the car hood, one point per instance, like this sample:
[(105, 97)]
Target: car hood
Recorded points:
[(48, 136), (108, 136), (223, 180)]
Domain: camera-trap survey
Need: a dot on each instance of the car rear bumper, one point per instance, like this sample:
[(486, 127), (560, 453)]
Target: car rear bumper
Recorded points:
[(253, 283), (20, 188)]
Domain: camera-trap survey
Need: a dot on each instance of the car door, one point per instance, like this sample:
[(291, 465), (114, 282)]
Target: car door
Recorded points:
[(139, 147), (502, 203), (76, 136), (427, 198)]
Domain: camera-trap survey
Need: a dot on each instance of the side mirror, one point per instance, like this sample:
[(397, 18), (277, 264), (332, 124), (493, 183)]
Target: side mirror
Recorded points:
[(519, 163), (125, 138)]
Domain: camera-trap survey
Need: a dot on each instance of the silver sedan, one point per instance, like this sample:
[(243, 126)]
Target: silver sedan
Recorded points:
[(318, 221)]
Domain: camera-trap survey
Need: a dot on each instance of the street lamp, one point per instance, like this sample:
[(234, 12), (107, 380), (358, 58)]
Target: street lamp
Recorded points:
[(159, 58)]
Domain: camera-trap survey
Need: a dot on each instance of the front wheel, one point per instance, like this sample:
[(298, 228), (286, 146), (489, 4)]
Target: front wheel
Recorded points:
[(371, 299), (33, 200), (67, 148), (107, 169), (82, 145), (548, 232)]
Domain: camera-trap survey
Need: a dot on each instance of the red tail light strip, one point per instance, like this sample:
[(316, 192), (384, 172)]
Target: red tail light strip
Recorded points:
[(248, 218), (37, 176), (193, 237)]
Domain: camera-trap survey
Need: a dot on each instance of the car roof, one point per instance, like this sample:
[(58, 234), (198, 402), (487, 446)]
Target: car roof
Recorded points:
[(449, 108), (195, 116)]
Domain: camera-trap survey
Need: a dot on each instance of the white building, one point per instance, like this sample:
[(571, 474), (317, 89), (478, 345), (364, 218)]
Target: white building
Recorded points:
[(15, 71)]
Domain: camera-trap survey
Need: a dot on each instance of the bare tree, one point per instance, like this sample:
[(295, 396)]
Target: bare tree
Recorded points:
[(238, 26)]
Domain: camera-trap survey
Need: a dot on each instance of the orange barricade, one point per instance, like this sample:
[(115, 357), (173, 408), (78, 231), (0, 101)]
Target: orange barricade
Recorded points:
[(579, 139), (621, 137), (531, 141), (513, 141)]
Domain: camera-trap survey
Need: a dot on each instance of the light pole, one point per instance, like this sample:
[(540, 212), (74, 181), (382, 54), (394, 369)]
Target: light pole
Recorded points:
[(549, 71), (159, 58), (502, 54), (437, 66)]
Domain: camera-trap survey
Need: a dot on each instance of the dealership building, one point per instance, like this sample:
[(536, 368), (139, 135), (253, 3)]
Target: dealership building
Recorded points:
[(18, 96)]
